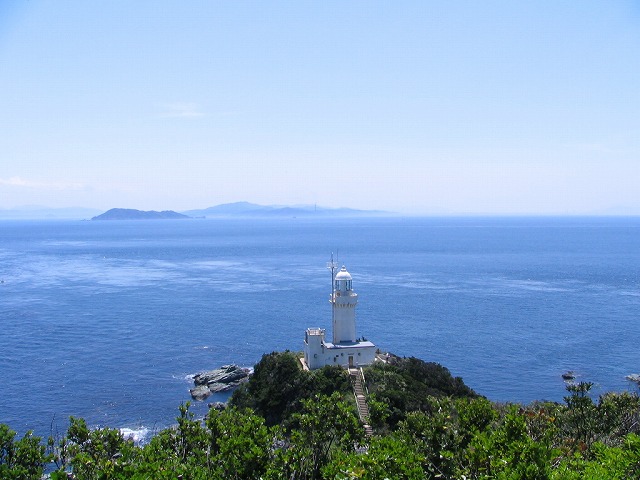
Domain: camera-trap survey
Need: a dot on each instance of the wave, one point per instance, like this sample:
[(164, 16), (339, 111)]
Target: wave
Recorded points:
[(138, 435), (186, 377)]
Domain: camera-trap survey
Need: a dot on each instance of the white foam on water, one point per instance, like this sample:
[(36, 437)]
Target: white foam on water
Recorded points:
[(138, 435), (188, 377)]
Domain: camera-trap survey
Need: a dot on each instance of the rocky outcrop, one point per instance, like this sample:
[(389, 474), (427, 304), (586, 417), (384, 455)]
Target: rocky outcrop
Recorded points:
[(223, 379), (201, 392)]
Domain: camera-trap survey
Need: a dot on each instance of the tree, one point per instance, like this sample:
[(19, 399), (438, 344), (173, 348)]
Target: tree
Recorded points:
[(442, 433), (613, 463), (507, 451), (386, 457), (180, 450), (97, 453), (326, 425), (239, 444), (274, 388), (278, 385), (23, 459), (580, 422), (618, 415), (406, 384)]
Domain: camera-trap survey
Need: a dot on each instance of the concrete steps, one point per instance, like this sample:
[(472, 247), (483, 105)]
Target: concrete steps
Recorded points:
[(361, 399)]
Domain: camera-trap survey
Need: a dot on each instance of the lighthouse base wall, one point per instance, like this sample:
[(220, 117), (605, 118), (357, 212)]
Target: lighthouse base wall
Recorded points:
[(354, 354)]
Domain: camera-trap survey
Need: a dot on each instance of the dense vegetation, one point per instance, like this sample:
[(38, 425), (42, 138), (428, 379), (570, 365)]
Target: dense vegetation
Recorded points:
[(278, 386), (289, 424)]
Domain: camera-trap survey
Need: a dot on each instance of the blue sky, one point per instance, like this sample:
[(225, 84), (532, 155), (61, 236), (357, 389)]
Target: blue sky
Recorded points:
[(418, 107)]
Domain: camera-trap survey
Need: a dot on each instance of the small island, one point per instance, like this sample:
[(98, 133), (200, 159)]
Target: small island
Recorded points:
[(132, 214)]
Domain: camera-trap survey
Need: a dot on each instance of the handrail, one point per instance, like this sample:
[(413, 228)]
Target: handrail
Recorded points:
[(364, 381)]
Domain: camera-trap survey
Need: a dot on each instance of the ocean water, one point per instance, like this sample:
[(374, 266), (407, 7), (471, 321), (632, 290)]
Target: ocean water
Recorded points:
[(109, 320)]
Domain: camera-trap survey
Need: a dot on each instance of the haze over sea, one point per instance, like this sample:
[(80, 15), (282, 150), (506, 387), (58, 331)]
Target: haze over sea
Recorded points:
[(108, 320)]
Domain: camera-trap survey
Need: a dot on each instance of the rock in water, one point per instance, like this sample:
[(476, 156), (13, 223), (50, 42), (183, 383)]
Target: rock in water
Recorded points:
[(223, 379), (201, 392), (634, 377), (226, 374), (219, 406)]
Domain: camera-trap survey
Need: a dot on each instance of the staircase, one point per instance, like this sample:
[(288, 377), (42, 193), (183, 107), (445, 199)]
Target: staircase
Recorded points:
[(357, 381)]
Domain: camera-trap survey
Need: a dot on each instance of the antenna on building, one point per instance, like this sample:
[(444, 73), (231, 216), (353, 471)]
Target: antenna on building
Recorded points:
[(331, 265)]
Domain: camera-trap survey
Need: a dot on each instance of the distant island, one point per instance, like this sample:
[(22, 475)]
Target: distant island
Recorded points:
[(227, 210), (247, 209), (132, 214)]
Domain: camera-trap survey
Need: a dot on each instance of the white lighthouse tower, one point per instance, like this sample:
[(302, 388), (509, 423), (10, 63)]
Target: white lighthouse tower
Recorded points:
[(343, 302), (345, 350)]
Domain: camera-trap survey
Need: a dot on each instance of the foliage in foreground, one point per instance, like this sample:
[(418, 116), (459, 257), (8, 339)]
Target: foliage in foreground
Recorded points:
[(320, 437)]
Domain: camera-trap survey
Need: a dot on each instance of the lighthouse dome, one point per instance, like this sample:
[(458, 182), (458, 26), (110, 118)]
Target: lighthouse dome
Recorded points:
[(343, 274), (343, 280)]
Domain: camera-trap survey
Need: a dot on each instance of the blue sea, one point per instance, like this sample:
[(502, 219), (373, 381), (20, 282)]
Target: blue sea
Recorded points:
[(109, 320)]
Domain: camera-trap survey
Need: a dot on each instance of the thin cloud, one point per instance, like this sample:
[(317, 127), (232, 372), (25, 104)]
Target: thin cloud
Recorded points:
[(181, 110)]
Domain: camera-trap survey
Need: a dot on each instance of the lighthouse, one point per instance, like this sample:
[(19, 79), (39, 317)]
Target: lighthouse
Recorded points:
[(345, 350), (343, 304)]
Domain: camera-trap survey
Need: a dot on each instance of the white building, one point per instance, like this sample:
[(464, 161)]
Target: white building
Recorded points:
[(345, 349)]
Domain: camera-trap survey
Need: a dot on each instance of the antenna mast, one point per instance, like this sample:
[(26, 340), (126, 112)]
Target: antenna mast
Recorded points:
[(331, 265)]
